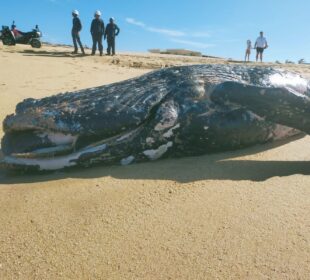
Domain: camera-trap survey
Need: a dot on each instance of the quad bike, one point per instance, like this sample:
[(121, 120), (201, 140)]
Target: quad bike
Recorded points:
[(11, 37)]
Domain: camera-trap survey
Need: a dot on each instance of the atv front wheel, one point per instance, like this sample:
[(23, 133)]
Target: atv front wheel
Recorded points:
[(36, 44)]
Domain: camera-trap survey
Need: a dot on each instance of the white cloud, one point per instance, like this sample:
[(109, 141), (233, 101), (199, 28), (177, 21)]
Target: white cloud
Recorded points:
[(135, 22), (168, 32), (163, 31), (199, 45), (176, 36)]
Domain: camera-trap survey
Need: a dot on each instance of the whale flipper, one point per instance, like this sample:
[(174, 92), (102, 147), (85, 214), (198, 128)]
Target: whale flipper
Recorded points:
[(279, 105)]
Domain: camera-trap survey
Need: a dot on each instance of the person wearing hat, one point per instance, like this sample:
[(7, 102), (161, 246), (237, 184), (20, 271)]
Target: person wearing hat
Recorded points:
[(97, 31), (111, 32), (76, 28)]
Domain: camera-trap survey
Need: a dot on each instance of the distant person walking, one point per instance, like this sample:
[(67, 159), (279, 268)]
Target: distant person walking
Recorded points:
[(97, 31), (260, 45), (248, 50), (111, 32), (76, 28)]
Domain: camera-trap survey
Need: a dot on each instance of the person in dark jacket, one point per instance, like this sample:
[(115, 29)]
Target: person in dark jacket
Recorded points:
[(111, 32), (76, 28), (97, 31)]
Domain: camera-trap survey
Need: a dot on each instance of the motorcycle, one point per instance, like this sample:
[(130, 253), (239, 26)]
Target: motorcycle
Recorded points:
[(11, 37)]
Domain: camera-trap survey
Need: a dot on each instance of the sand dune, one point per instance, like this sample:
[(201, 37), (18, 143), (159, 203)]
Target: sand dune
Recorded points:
[(237, 215)]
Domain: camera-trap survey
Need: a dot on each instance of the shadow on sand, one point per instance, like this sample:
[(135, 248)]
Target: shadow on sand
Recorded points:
[(184, 170), (50, 53)]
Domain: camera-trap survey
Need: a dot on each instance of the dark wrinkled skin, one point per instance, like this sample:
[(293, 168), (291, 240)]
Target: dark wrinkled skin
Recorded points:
[(181, 111)]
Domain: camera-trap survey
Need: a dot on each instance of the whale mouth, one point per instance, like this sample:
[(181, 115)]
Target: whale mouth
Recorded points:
[(39, 149), (30, 142), (50, 159), (48, 151)]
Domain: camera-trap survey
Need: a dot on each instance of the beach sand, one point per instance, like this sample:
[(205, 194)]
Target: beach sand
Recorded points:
[(236, 215)]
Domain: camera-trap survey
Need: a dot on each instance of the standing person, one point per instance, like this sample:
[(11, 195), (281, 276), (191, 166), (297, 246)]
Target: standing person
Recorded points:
[(76, 28), (111, 32), (15, 31), (260, 45), (97, 31), (248, 50)]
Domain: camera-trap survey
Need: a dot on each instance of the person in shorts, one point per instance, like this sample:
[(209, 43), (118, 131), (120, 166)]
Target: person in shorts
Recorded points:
[(260, 45)]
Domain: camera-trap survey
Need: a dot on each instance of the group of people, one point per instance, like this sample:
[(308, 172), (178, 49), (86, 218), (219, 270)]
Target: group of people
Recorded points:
[(260, 45), (98, 32)]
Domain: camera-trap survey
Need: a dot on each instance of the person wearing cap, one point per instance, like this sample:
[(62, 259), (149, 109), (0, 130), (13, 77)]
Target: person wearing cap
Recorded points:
[(76, 28), (260, 45), (111, 32), (97, 31)]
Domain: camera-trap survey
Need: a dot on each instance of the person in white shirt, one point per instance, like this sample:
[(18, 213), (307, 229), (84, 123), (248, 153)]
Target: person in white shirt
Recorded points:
[(260, 45), (248, 50)]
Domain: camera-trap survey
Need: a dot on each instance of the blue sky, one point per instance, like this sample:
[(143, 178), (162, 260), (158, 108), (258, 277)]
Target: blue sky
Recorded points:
[(218, 28)]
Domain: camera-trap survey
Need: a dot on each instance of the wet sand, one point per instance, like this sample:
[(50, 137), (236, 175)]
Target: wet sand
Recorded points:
[(236, 215)]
